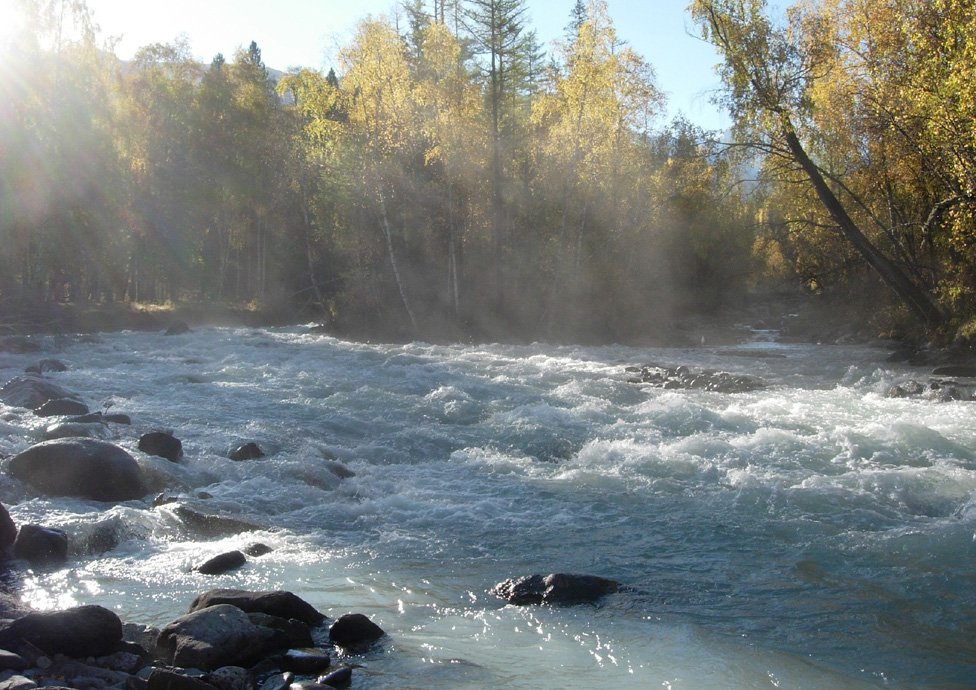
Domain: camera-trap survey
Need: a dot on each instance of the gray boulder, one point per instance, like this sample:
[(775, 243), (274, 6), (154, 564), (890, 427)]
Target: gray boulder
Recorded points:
[(223, 563), (556, 588), (216, 636), (355, 631), (275, 603), (32, 392), (82, 467), (78, 632), (61, 406)]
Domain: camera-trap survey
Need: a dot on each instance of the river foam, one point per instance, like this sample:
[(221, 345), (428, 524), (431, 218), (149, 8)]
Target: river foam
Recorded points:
[(813, 534)]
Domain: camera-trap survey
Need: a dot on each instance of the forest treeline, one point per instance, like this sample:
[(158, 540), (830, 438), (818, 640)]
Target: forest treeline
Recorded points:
[(449, 177)]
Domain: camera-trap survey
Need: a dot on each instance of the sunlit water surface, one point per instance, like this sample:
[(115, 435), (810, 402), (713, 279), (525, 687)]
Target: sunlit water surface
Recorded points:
[(814, 534)]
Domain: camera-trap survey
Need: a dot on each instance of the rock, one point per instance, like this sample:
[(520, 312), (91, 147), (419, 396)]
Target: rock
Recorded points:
[(8, 530), (61, 406), (82, 675), (93, 417), (78, 632), (297, 633), (247, 451), (168, 679), (82, 467), (177, 328), (212, 525), (306, 661), (556, 588), (74, 430), (145, 636), (225, 562), (275, 603), (46, 365), (229, 678), (340, 470), (339, 678), (257, 550), (279, 681), (19, 344), (682, 377), (355, 631), (161, 444), (960, 370), (220, 635), (32, 392), (18, 682), (41, 545), (12, 662)]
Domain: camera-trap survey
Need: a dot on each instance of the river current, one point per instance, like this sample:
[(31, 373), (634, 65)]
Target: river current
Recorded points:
[(813, 534)]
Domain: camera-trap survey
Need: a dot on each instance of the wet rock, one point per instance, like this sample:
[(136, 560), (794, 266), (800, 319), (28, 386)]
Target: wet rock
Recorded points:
[(340, 470), (169, 679), (339, 678), (177, 328), (9, 661), (99, 417), (682, 377), (220, 635), (18, 682), (223, 563), (275, 603), (355, 631), (247, 451), (556, 588), (297, 633), (278, 681), (61, 407), (306, 661), (257, 550), (75, 430), (46, 365), (162, 444), (8, 530), (229, 678), (77, 632), (212, 525), (32, 392), (43, 546), (145, 636), (956, 370), (81, 675), (82, 467)]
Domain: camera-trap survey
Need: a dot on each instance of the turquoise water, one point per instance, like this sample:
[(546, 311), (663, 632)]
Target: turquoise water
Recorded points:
[(814, 534)]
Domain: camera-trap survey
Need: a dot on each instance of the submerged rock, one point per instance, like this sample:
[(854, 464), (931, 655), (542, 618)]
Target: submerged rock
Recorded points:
[(82, 467), (556, 588), (177, 328), (684, 378), (46, 365), (246, 451), (32, 392), (210, 524)]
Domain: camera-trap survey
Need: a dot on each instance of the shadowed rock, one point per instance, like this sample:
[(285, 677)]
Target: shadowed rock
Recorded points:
[(32, 392), (82, 467), (556, 588), (162, 444), (223, 563), (211, 525), (78, 632), (177, 328), (355, 631), (275, 603), (246, 451), (61, 406), (8, 530), (216, 636), (41, 545)]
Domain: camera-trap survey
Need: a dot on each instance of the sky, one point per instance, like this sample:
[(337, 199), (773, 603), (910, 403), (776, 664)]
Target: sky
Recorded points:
[(308, 33)]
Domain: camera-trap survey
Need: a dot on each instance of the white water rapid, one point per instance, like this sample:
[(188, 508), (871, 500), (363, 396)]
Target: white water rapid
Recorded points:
[(813, 534)]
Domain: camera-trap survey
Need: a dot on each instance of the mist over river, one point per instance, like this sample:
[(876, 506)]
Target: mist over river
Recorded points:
[(813, 534)]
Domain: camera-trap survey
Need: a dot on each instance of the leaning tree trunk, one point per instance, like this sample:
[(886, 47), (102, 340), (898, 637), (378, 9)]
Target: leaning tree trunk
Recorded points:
[(919, 301)]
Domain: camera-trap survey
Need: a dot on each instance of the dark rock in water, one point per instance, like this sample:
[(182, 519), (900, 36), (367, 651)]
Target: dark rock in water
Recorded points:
[(61, 406), (8, 530), (230, 678), (46, 365), (257, 550), (99, 417), (177, 328), (355, 631), (74, 430), (212, 637), (12, 662), (683, 378), (41, 545), (211, 525), (168, 679), (557, 588), (225, 562), (279, 681), (275, 603), (161, 444), (32, 392), (82, 467), (78, 632), (340, 470), (247, 451), (960, 370), (306, 661), (339, 678), (297, 633)]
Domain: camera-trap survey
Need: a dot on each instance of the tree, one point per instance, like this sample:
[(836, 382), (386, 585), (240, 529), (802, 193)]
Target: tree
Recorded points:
[(768, 74)]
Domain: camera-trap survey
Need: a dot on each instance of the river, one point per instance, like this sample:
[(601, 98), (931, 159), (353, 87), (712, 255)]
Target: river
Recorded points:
[(812, 534)]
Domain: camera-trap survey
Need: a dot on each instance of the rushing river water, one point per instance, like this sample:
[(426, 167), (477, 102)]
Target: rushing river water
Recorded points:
[(814, 534)]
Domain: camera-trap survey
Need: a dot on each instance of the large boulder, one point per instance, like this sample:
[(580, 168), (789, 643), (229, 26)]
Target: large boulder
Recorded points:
[(78, 632), (556, 588), (61, 406), (32, 392), (275, 603), (216, 636), (354, 631), (8, 530), (82, 467)]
